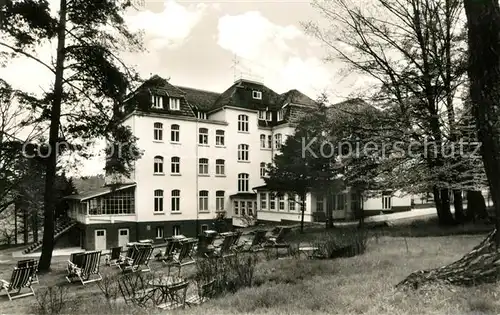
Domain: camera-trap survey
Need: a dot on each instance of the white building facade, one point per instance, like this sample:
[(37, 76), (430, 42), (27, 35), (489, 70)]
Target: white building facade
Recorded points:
[(203, 155)]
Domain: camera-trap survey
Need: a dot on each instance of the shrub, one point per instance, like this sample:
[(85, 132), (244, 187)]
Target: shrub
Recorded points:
[(344, 243), (52, 300), (230, 273)]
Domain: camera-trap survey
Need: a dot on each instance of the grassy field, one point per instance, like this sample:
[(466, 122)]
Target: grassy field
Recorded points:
[(358, 285)]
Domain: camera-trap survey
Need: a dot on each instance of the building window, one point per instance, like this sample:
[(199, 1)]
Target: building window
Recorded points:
[(159, 232), (202, 115), (243, 123), (250, 208), (236, 208), (291, 202), (219, 200), (281, 114), (270, 141), (277, 141), (176, 200), (158, 200), (262, 141), (157, 101), (174, 133), (158, 131), (219, 137), (262, 169), (175, 167), (269, 116), (386, 202), (203, 136), (272, 202), (281, 200), (175, 103), (243, 208), (257, 95), (320, 206), (176, 230), (243, 152), (203, 200), (242, 182), (158, 165), (263, 201), (338, 202), (220, 167), (203, 166), (262, 114)]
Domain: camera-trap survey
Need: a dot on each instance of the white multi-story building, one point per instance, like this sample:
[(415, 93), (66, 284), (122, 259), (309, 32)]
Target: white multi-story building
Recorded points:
[(203, 154)]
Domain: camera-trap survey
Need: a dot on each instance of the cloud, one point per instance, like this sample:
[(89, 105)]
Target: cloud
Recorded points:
[(170, 27), (270, 52)]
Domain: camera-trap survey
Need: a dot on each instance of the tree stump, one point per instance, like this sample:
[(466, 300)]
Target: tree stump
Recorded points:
[(480, 265)]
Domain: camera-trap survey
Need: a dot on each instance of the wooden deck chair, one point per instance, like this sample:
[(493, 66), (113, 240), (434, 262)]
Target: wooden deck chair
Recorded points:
[(225, 249), (205, 292), (184, 257), (177, 297), (115, 257), (20, 279), (89, 267), (134, 290), (279, 239), (166, 255), (142, 255), (28, 263), (256, 243), (237, 237)]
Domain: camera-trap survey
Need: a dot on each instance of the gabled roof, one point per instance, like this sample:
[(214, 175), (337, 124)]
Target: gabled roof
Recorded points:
[(200, 99), (296, 97)]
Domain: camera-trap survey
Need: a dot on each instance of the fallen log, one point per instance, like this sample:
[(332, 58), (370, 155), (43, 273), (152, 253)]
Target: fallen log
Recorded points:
[(480, 265)]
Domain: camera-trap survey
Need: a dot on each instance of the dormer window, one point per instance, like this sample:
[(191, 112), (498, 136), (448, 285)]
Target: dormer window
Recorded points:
[(268, 116), (175, 103), (281, 114), (157, 101), (257, 95), (202, 115), (262, 114)]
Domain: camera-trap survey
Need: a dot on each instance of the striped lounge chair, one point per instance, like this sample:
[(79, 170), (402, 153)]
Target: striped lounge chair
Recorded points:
[(84, 267), (21, 278)]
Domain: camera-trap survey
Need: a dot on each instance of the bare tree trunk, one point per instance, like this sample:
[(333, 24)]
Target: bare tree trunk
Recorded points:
[(476, 206), (50, 175), (482, 263), (459, 206), (34, 226), (442, 202), (302, 210), (15, 222), (483, 21)]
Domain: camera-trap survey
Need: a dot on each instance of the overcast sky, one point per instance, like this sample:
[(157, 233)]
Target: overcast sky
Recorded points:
[(194, 43)]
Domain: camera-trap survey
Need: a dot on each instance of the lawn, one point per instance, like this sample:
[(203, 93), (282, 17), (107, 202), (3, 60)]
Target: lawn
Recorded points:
[(358, 285)]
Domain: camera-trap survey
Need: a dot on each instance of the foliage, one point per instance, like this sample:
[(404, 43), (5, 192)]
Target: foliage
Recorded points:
[(90, 81), (414, 53)]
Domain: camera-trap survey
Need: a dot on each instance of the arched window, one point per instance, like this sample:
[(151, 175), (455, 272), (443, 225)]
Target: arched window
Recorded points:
[(220, 168), (158, 131), (158, 200), (176, 200), (175, 167), (243, 152), (203, 200), (203, 136), (243, 182), (158, 165), (175, 133), (203, 166)]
